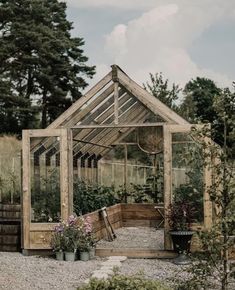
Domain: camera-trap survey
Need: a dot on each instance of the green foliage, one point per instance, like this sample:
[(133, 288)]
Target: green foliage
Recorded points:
[(201, 93), (46, 200), (42, 66), (206, 103), (188, 156), (217, 241), (117, 282), (88, 198), (159, 88)]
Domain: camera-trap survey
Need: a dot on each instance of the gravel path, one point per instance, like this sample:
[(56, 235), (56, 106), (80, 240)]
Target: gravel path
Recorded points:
[(30, 273), (159, 269), (136, 237)]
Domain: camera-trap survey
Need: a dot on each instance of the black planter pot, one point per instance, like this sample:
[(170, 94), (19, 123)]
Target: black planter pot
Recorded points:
[(181, 243)]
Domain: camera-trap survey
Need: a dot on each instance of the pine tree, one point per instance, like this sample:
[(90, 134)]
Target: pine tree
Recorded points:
[(43, 68)]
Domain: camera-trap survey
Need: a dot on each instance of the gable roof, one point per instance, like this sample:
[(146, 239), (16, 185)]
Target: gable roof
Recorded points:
[(114, 101)]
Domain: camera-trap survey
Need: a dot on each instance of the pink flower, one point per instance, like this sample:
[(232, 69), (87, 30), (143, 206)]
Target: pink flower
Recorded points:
[(88, 225), (71, 220)]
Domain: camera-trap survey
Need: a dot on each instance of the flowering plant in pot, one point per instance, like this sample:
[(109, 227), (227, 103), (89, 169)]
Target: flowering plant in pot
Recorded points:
[(58, 241), (86, 241), (71, 237), (180, 217)]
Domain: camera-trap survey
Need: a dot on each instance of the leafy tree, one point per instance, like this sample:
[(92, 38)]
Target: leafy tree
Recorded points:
[(43, 68), (217, 241), (197, 105), (160, 89), (200, 94)]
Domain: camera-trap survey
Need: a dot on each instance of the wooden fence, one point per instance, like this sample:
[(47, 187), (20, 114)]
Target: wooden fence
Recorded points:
[(10, 227)]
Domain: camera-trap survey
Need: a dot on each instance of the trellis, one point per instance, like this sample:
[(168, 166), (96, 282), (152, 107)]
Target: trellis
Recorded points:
[(84, 133)]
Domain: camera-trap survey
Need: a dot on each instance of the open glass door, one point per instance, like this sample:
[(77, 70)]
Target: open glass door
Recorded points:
[(47, 184), (185, 177)]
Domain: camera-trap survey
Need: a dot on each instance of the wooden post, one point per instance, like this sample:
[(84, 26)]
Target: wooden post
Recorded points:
[(125, 172), (26, 200), (167, 157), (116, 103), (66, 173)]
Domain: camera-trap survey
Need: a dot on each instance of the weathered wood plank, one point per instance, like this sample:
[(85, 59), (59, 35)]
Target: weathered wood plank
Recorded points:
[(152, 103), (135, 253), (72, 110), (26, 199), (167, 159)]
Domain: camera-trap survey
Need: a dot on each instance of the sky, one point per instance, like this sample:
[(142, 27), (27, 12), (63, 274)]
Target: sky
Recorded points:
[(182, 39)]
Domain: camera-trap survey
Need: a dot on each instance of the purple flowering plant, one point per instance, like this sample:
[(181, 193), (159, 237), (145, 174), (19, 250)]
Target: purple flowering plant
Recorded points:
[(180, 215), (75, 233), (57, 240)]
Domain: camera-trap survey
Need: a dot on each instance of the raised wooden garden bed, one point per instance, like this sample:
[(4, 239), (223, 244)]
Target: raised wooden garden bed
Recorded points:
[(128, 215)]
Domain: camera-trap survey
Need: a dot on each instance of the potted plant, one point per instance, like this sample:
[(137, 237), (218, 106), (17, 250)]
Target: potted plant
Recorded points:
[(90, 237), (71, 237), (86, 240), (84, 247), (58, 241), (180, 216)]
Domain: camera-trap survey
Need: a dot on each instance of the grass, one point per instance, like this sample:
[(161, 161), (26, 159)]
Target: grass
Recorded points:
[(10, 168)]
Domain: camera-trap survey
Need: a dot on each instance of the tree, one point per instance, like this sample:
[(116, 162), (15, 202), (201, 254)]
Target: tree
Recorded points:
[(201, 92), (214, 265), (160, 89), (197, 105), (43, 67)]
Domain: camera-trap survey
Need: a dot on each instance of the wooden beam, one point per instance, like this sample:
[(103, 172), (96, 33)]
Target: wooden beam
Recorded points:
[(84, 113), (107, 117), (116, 120), (125, 131), (44, 133), (151, 102), (134, 125), (102, 115), (72, 110), (106, 135), (92, 143)]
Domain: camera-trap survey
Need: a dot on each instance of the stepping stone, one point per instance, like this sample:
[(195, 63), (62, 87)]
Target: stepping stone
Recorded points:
[(117, 258)]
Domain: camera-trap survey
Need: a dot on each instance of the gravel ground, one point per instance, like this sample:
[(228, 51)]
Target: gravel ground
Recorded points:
[(159, 269), (136, 237), (29, 273)]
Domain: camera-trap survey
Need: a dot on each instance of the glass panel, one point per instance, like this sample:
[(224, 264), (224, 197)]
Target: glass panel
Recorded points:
[(45, 181), (187, 172)]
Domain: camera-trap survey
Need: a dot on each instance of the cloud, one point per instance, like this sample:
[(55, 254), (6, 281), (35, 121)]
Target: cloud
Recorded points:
[(160, 40), (123, 4)]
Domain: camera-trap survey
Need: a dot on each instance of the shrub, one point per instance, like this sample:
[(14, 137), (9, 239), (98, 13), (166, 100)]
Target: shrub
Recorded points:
[(117, 282), (88, 198)]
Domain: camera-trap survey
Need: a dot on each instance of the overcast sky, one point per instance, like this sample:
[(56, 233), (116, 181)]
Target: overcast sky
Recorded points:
[(180, 38)]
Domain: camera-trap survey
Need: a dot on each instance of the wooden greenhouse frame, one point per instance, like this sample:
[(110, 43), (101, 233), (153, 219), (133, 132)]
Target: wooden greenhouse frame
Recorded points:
[(105, 115)]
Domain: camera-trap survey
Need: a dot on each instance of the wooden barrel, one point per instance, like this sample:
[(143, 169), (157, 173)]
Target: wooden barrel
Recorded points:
[(10, 227)]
